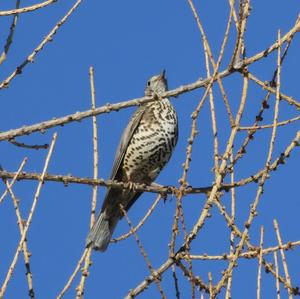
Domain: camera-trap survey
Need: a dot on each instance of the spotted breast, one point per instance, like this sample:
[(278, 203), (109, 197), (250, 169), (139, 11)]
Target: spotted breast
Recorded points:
[(152, 144)]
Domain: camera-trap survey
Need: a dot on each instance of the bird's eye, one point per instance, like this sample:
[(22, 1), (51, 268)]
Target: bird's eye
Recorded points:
[(148, 83)]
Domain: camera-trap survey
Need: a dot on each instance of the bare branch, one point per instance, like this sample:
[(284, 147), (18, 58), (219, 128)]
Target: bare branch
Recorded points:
[(26, 9)]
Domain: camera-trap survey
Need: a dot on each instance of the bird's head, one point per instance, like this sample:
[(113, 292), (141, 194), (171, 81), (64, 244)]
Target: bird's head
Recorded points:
[(156, 85)]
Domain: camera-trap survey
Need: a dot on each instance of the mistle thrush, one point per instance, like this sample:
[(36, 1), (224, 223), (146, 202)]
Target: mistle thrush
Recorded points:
[(145, 147)]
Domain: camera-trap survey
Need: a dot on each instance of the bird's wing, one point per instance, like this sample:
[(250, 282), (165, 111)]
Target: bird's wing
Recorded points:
[(125, 139), (114, 193)]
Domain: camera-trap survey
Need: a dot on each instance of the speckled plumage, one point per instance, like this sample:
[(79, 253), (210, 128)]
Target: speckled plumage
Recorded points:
[(145, 147)]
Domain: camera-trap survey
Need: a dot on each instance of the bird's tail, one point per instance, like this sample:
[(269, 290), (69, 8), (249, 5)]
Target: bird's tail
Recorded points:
[(101, 232)]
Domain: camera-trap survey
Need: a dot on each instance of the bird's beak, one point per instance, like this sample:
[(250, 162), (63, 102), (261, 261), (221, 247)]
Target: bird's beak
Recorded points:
[(162, 74)]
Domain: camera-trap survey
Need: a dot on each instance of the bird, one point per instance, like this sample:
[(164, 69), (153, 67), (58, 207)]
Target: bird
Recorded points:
[(145, 148)]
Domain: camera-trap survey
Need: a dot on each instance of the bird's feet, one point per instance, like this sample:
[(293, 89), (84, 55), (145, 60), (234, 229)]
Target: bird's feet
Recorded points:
[(130, 186)]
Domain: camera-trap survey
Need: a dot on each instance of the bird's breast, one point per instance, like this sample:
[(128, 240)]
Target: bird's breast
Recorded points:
[(151, 145)]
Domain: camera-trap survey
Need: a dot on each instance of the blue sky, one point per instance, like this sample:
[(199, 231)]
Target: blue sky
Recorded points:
[(127, 42)]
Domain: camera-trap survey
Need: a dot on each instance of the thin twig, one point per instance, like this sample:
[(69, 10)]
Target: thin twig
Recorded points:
[(213, 120), (73, 275), (26, 252), (277, 274), (21, 228), (29, 146), (210, 284), (149, 279), (175, 282), (197, 280), (232, 233), (260, 262), (140, 224), (283, 96), (29, 220), (154, 274), (282, 123), (235, 18), (87, 262), (9, 39), (26, 9), (250, 254), (187, 252), (284, 262), (239, 48)]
